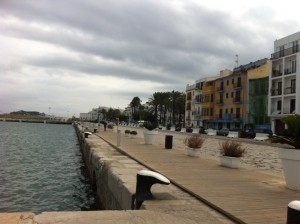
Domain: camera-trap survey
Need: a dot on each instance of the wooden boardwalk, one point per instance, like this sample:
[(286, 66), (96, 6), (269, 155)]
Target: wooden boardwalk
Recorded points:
[(244, 195)]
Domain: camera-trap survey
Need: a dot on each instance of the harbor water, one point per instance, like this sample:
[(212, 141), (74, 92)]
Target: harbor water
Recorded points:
[(41, 169)]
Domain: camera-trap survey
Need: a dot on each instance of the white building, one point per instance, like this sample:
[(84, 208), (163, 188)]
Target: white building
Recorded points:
[(284, 82)]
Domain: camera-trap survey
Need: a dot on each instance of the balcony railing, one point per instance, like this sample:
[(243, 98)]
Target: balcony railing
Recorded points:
[(237, 85), (220, 89), (285, 52), (290, 90), (289, 71), (228, 116), (219, 116), (289, 111), (276, 73), (237, 100), (220, 102), (195, 112), (276, 92)]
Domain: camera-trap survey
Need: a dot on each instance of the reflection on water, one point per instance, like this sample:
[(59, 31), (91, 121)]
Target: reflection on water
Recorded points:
[(41, 169)]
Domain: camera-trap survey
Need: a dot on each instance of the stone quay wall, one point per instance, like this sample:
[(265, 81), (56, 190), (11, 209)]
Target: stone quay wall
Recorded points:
[(112, 174)]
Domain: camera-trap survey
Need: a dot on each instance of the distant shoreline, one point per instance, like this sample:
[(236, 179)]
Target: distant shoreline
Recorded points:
[(35, 121)]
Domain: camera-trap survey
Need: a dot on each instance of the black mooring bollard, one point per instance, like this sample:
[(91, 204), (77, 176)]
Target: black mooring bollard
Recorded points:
[(144, 180), (168, 141), (86, 134), (293, 213)]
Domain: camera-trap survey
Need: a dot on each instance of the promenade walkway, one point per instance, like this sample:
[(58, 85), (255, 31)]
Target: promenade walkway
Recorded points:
[(244, 195)]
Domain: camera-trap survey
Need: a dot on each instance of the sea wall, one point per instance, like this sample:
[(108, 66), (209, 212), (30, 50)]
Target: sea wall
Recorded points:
[(112, 174)]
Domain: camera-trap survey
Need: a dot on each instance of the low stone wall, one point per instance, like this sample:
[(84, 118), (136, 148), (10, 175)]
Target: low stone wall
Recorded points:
[(112, 174)]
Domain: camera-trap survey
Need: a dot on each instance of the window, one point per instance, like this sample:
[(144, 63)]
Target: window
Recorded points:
[(295, 46), (293, 86), (231, 110), (281, 51), (279, 105), (222, 86), (226, 111), (237, 96), (232, 81), (212, 97), (231, 94), (221, 98), (221, 113), (227, 82), (238, 113), (294, 66), (279, 88), (292, 106), (226, 95), (239, 82)]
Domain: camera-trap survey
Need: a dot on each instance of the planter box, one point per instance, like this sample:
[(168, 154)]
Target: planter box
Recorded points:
[(150, 136), (231, 162), (194, 152), (290, 159)]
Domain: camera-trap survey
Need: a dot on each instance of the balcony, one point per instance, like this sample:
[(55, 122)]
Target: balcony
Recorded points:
[(276, 73), (290, 90), (220, 89), (237, 100), (228, 116), (195, 112), (289, 111), (220, 102), (285, 52), (219, 116), (276, 92), (237, 85)]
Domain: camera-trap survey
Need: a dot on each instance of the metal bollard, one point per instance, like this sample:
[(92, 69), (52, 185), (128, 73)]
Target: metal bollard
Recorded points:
[(144, 181), (168, 141), (119, 138), (293, 213), (86, 134)]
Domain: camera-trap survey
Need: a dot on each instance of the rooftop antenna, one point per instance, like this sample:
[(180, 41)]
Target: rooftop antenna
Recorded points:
[(237, 60)]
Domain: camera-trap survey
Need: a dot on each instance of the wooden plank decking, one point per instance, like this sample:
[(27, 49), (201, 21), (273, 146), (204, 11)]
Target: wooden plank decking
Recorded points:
[(245, 195)]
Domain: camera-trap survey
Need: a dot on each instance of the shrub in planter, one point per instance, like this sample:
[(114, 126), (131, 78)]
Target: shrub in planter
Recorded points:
[(127, 132), (290, 158), (232, 149), (150, 133), (290, 135), (150, 125), (194, 143), (110, 126), (231, 152), (133, 133)]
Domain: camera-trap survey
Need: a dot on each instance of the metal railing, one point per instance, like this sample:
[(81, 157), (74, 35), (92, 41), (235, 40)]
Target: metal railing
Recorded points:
[(285, 52)]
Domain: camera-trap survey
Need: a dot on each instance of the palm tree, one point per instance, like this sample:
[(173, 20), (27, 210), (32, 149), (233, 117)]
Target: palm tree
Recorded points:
[(135, 103), (153, 103), (103, 112), (178, 104)]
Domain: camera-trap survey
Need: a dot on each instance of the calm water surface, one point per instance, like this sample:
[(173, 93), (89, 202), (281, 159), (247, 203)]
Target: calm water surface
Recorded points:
[(41, 169)]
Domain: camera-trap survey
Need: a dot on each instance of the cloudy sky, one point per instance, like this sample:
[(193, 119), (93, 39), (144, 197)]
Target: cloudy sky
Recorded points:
[(74, 55)]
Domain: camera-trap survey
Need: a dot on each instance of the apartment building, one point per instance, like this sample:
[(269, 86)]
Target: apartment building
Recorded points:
[(258, 82), (189, 105), (231, 99), (284, 82)]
